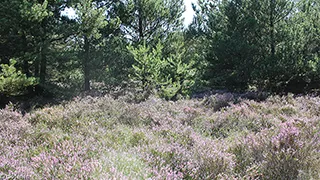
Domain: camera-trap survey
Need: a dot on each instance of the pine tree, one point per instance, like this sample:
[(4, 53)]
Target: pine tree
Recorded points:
[(148, 20), (91, 19), (243, 37)]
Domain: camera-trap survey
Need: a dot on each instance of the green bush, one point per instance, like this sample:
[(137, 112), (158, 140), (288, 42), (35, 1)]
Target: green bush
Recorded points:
[(12, 81), (168, 77)]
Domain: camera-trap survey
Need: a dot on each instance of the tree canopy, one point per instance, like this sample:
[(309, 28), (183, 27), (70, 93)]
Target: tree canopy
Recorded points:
[(238, 45)]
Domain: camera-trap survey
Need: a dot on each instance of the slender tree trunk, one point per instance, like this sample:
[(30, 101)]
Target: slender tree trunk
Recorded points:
[(140, 21), (26, 72), (43, 56), (43, 66), (25, 61), (85, 63), (37, 73), (37, 62), (26, 67), (272, 40)]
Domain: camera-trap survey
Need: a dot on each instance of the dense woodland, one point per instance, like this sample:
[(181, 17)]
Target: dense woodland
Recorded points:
[(142, 46), (123, 90)]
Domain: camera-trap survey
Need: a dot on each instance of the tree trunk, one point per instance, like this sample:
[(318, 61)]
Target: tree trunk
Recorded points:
[(140, 21), (272, 40), (25, 60), (85, 63), (43, 66), (26, 67), (37, 62), (39, 59)]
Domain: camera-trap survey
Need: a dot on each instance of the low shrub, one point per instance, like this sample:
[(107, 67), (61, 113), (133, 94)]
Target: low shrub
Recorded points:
[(96, 138)]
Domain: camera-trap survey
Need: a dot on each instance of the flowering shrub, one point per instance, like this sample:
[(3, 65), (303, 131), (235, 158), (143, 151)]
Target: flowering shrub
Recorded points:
[(104, 138), (13, 128), (219, 101), (65, 160)]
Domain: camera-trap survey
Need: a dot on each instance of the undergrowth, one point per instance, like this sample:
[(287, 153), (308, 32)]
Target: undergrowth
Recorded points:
[(214, 138)]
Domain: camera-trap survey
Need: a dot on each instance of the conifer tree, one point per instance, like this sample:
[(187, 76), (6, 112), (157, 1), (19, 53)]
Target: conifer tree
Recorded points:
[(91, 19), (148, 20)]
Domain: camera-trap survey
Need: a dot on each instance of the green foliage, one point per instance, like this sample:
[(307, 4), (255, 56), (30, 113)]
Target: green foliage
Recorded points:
[(147, 20), (118, 61), (148, 66), (90, 20), (269, 45), (13, 81), (300, 51), (181, 76), (34, 11), (231, 49), (168, 76)]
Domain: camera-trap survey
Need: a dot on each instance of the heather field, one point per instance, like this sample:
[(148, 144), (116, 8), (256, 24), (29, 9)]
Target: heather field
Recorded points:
[(218, 137)]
